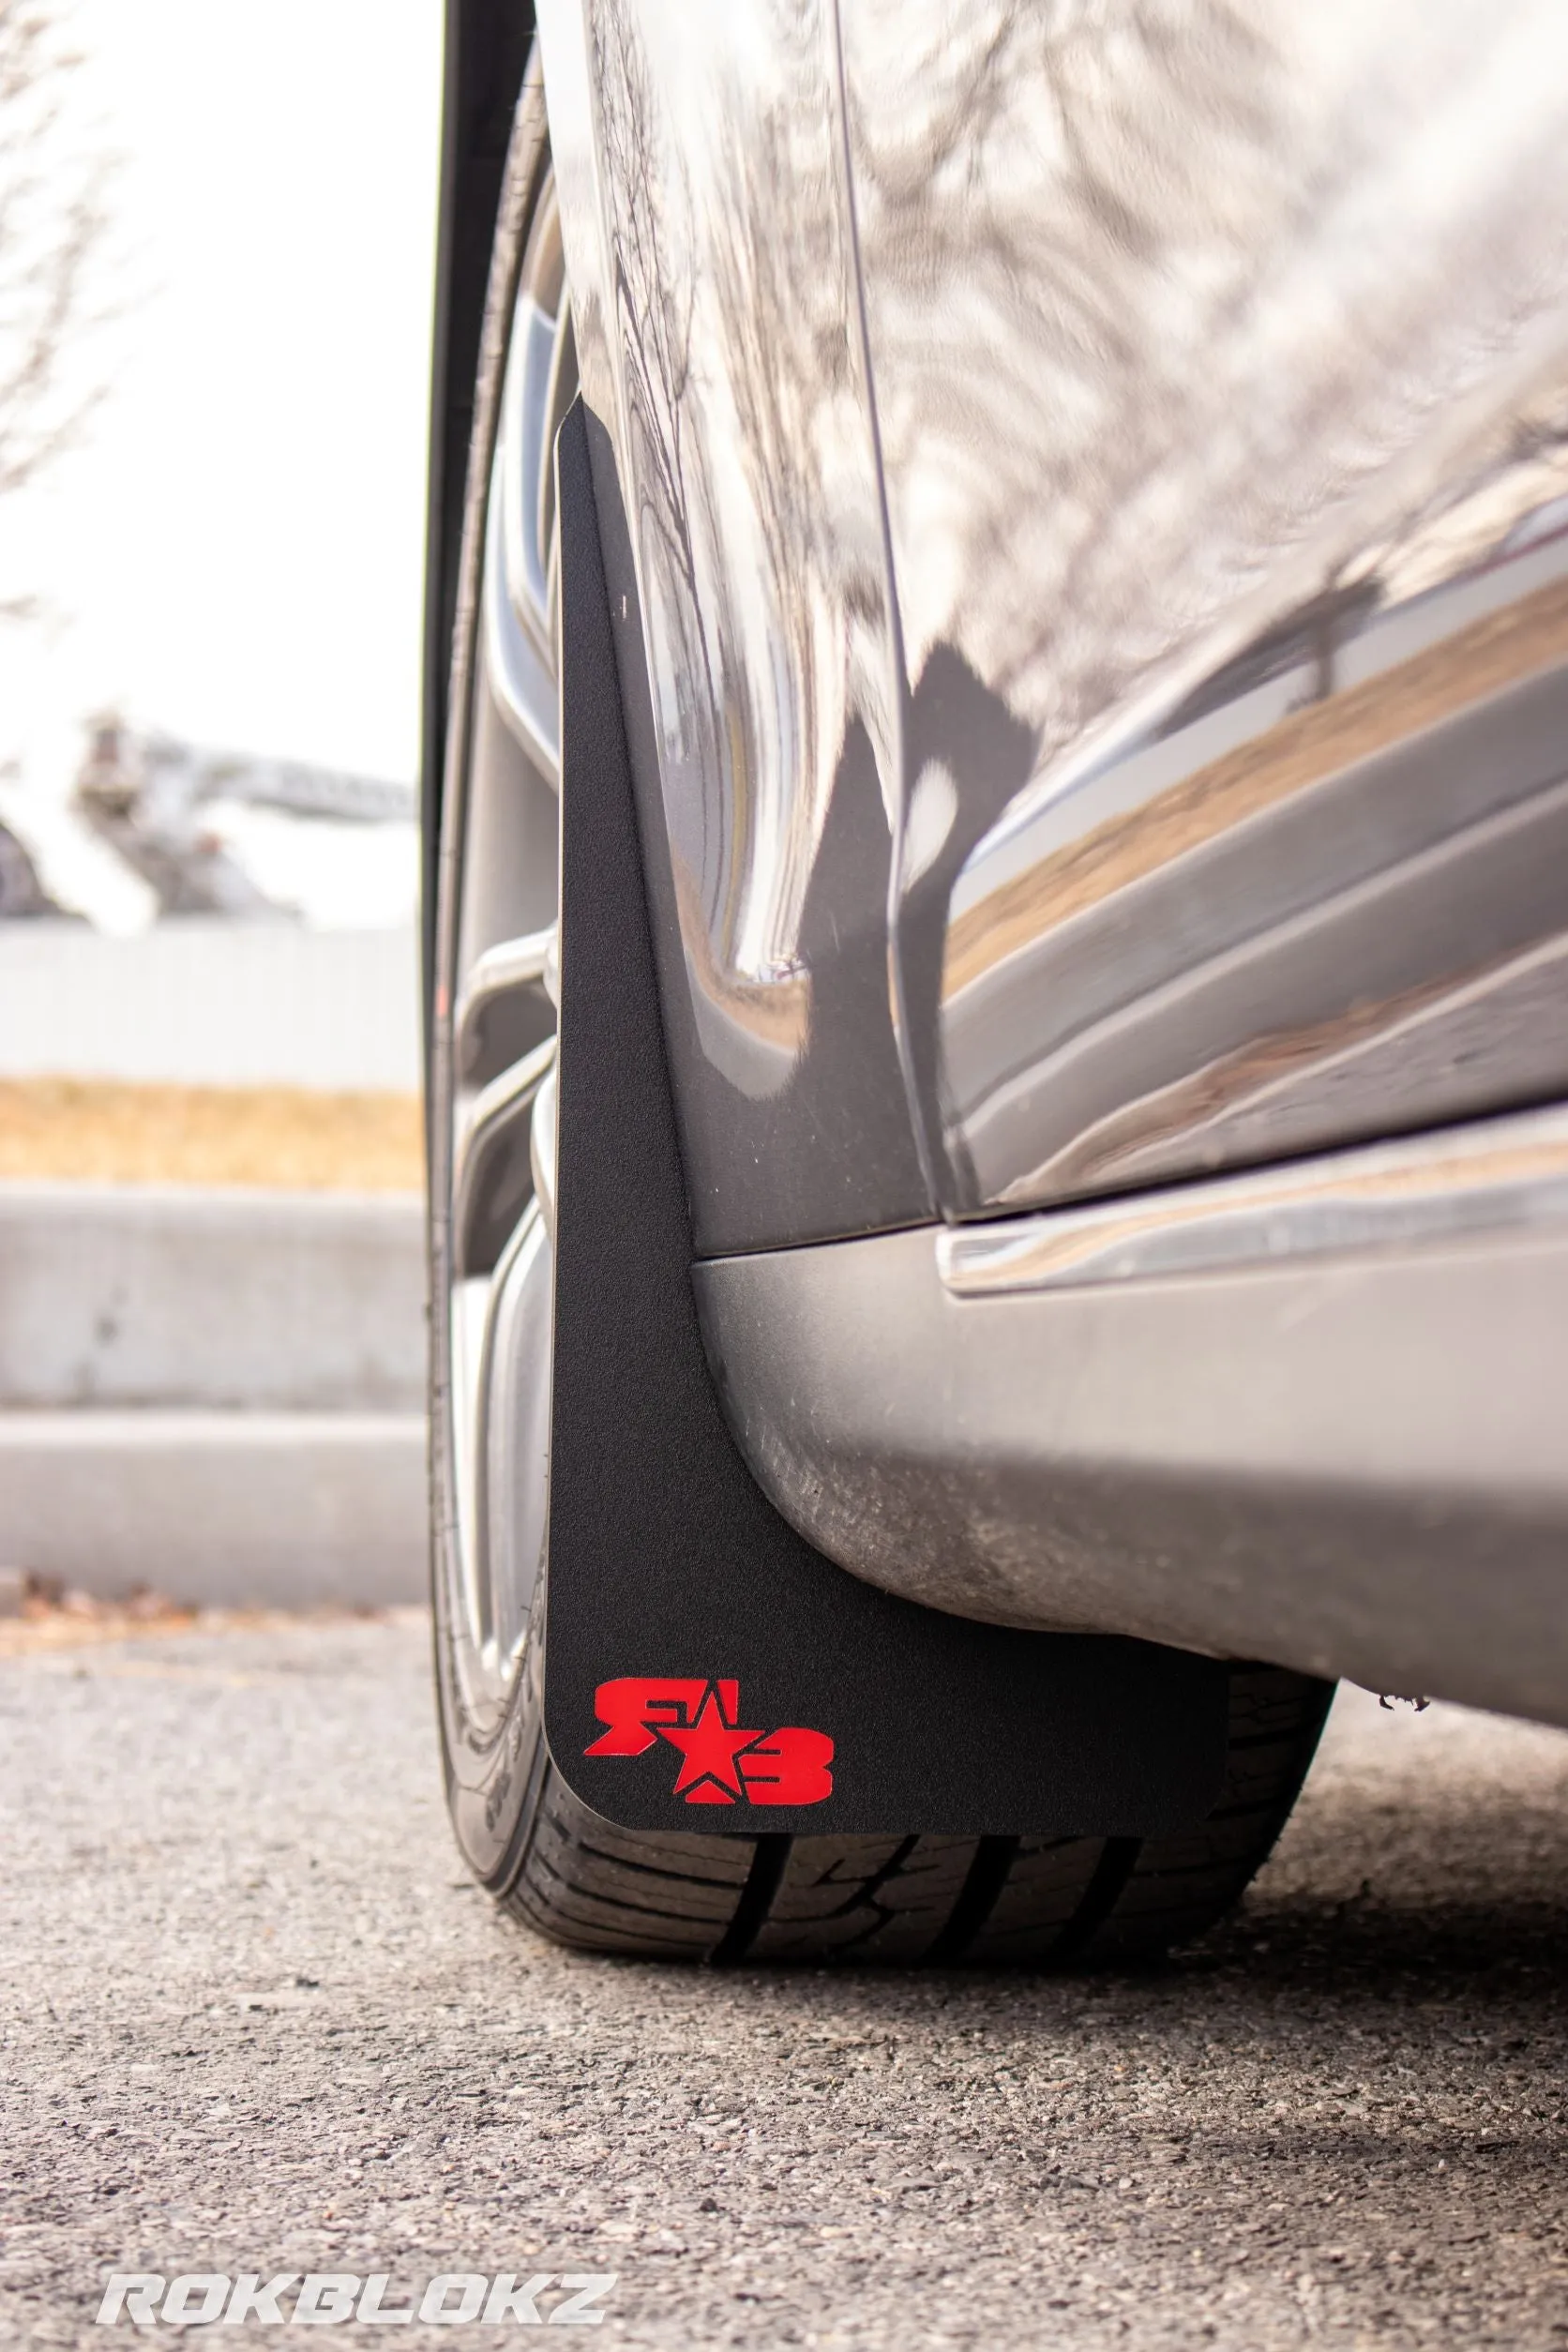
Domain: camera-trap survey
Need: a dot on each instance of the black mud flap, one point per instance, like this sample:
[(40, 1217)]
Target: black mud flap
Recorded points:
[(705, 1667)]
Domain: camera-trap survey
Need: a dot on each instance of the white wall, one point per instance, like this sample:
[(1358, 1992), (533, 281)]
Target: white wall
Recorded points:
[(202, 1003)]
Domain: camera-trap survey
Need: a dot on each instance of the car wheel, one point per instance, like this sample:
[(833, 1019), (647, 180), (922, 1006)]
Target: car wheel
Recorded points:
[(569, 1873)]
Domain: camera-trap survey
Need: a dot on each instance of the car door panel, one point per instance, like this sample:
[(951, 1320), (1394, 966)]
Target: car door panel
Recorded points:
[(1220, 355)]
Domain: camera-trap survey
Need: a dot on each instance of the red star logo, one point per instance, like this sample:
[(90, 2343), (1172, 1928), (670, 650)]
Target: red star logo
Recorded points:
[(710, 1748)]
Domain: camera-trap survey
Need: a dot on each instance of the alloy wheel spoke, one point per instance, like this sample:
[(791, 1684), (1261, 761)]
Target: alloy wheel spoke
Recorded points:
[(507, 1005), (492, 1178)]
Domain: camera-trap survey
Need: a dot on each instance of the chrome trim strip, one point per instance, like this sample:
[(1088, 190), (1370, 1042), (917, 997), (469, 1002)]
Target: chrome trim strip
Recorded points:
[(1496, 1175)]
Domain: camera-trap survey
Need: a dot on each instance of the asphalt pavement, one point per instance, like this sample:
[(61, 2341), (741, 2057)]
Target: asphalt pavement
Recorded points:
[(256, 2020)]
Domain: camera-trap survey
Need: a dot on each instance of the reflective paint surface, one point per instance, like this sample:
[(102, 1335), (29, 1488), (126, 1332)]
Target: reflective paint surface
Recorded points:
[(1222, 361), (715, 292), (1219, 360)]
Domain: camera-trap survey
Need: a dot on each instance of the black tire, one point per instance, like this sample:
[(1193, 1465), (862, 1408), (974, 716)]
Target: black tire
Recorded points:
[(1036, 1902)]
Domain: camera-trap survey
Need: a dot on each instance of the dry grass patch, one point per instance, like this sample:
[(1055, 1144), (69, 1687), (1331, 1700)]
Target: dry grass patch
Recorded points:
[(40, 1614), (100, 1130)]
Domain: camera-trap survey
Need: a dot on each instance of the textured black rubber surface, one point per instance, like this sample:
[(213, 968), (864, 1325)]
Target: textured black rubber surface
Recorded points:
[(666, 1561), (1029, 1901)]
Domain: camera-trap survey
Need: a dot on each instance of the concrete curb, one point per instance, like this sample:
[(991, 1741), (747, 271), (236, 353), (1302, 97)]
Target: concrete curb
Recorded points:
[(222, 1508), (177, 1295), (217, 1393)]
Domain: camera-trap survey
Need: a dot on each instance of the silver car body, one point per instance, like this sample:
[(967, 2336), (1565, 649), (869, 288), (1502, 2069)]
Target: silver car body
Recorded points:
[(1094, 481)]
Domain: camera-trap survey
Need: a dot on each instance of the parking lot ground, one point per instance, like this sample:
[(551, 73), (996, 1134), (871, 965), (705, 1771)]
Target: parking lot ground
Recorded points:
[(256, 2019)]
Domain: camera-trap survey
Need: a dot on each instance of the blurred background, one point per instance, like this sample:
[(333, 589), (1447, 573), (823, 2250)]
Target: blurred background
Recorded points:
[(217, 238)]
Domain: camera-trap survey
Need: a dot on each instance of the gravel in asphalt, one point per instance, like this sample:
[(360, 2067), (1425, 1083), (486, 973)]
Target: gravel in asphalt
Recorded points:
[(256, 2019)]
